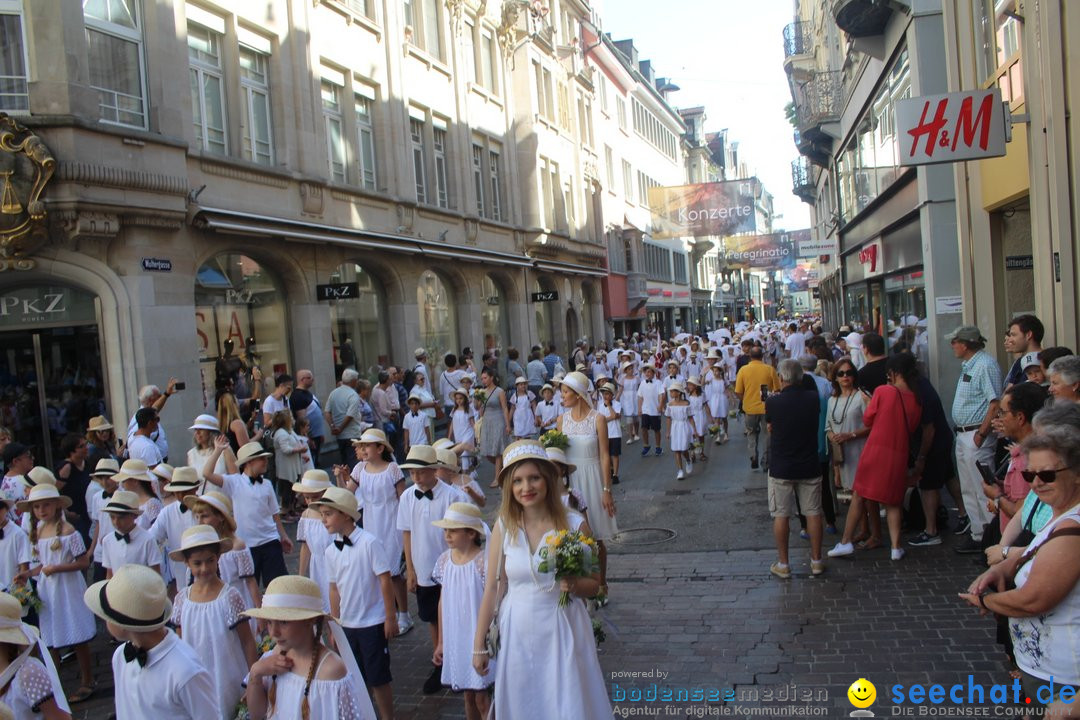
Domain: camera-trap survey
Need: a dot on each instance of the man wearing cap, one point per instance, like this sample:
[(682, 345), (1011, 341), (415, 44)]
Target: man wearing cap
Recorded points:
[(150, 396), (974, 406), (18, 460), (1024, 336), (344, 415)]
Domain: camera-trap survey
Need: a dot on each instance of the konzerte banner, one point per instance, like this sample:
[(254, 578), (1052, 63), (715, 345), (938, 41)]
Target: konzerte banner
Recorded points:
[(717, 209), (760, 252)]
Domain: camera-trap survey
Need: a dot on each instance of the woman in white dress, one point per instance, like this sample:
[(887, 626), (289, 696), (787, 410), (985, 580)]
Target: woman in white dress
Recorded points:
[(547, 665), (587, 432), (29, 684), (311, 532), (301, 678)]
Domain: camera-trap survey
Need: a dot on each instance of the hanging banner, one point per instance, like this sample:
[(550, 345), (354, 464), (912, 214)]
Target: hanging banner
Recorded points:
[(707, 209), (760, 252), (802, 277)]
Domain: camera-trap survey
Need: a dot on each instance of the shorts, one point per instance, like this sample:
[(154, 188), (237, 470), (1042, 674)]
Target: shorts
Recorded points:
[(782, 495), (372, 653), (427, 602), (650, 422), (614, 446)]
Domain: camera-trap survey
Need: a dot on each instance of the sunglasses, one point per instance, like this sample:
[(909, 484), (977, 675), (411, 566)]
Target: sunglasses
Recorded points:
[(1047, 476), (846, 373)]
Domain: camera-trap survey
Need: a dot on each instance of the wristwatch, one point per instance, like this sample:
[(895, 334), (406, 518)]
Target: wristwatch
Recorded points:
[(1005, 551)]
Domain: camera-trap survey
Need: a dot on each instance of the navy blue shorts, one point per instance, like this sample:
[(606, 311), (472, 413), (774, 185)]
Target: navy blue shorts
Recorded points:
[(650, 422), (427, 602), (614, 446), (372, 653)]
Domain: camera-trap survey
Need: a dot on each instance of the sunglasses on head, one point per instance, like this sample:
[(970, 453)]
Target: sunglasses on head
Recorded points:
[(1047, 476), (846, 373)]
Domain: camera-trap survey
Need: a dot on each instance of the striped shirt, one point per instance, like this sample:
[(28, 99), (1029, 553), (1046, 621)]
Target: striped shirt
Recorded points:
[(978, 386)]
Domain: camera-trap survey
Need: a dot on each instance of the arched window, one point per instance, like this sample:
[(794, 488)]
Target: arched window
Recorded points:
[(358, 325), (496, 321), (438, 315)]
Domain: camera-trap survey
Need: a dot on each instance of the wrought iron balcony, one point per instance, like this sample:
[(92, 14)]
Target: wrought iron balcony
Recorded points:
[(797, 39), (802, 180), (819, 102), (817, 149), (863, 18)]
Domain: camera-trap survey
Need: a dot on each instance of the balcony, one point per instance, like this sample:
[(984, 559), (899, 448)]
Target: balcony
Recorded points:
[(818, 152), (799, 50), (637, 290), (863, 18), (818, 104), (802, 180)]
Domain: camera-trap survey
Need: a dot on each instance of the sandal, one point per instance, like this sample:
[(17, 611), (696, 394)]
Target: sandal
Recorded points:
[(869, 544), (84, 693)]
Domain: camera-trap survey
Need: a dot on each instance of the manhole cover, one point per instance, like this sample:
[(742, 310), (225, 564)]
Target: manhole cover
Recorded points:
[(644, 536)]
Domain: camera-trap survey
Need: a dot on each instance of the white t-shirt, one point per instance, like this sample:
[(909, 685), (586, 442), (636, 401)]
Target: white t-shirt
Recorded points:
[(145, 449), (254, 507), (650, 392), (795, 345), (355, 569), (614, 427), (168, 529), (450, 381), (173, 684), (272, 405), (417, 426), (14, 551)]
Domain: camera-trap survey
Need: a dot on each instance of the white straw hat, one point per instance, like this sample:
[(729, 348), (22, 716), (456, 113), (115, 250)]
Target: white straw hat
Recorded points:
[(217, 500), (135, 469), (106, 467), (163, 471), (206, 422), (249, 452), (123, 502), (289, 598), (39, 476), (11, 621), (461, 515), (448, 459), (41, 493), (184, 479), (522, 451), (580, 384), (373, 436), (341, 500), (100, 423), (443, 444), (198, 536), (558, 455), (133, 599), (420, 457), (677, 386), (313, 481)]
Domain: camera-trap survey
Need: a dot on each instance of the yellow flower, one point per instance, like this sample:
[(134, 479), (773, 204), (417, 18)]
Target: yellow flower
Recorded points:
[(551, 540)]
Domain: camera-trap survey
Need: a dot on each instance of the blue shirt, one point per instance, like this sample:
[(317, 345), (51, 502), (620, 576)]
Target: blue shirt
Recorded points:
[(549, 362), (978, 386)]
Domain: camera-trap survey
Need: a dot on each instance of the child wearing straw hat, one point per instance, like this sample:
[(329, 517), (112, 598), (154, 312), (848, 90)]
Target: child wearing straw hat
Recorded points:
[(611, 410), (310, 532), (547, 410), (361, 597), (416, 424), (628, 399), (699, 412), (127, 543), (680, 428), (462, 433), (29, 685), (449, 472), (157, 675), (97, 497), (460, 570), (524, 409), (207, 615), (302, 679), (176, 517)]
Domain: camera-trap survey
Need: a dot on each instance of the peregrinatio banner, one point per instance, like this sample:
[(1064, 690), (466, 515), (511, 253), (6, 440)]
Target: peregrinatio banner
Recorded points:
[(708, 209), (761, 252)]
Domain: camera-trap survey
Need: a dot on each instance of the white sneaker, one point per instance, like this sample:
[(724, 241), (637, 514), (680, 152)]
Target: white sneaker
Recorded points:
[(842, 549), (897, 554), (689, 468), (630, 440), (405, 623), (680, 475)]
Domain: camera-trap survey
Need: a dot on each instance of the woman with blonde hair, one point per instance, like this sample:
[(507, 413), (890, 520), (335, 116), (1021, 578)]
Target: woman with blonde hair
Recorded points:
[(229, 422)]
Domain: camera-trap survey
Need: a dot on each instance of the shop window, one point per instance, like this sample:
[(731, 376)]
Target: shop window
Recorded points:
[(358, 326), (496, 320), (239, 312), (438, 315), (905, 306)]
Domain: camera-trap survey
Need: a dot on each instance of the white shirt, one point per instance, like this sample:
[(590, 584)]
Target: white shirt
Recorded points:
[(158, 437), (14, 551), (415, 516), (143, 448), (142, 550), (173, 684), (254, 507), (614, 427), (272, 405), (355, 571), (649, 392), (450, 381), (168, 529), (417, 426), (548, 412), (795, 345)]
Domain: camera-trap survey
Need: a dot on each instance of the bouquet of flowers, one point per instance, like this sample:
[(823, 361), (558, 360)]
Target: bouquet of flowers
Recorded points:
[(570, 555), (241, 712), (480, 396), (26, 596), (714, 429), (556, 439), (264, 643)]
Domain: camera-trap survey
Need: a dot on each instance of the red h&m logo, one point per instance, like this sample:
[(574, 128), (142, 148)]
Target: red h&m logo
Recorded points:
[(952, 127), (869, 255)]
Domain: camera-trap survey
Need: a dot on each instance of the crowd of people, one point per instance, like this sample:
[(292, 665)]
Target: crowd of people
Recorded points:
[(188, 562)]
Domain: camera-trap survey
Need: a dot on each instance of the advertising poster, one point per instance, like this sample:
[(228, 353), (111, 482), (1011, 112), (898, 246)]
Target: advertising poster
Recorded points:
[(704, 210), (775, 251)]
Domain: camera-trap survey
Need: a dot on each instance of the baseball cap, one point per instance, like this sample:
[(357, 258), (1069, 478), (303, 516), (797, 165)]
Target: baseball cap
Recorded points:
[(966, 333)]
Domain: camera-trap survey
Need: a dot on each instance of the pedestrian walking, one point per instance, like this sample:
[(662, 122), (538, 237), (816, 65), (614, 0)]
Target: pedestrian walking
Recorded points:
[(753, 383), (523, 412), (310, 532), (127, 543), (716, 391), (680, 432), (611, 410), (628, 399), (495, 416), (700, 413), (650, 399)]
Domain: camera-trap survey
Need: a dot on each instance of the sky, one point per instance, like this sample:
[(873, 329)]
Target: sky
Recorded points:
[(727, 55)]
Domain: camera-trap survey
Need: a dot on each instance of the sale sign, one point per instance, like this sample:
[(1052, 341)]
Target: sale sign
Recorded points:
[(951, 127)]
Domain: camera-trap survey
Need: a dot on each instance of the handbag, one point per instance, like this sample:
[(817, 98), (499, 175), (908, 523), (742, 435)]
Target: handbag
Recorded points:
[(491, 639), (837, 452)]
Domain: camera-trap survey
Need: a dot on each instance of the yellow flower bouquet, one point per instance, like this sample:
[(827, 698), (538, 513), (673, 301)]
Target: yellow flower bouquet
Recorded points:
[(556, 439), (569, 555)]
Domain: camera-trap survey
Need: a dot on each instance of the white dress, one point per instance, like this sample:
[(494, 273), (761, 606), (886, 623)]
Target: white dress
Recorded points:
[(30, 687), (523, 418), (462, 590), (65, 619), (547, 667), (313, 533), (680, 427), (628, 396), (463, 426), (209, 628), (845, 415), (716, 398), (585, 454), (697, 411), (377, 494), (327, 699), (235, 567)]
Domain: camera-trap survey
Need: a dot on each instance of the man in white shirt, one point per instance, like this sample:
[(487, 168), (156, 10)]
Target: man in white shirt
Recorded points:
[(795, 344), (421, 363), (150, 396), (449, 381), (141, 445), (278, 400)]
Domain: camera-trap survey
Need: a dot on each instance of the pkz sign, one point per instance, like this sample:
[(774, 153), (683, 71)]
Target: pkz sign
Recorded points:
[(46, 306), (338, 291), (951, 127), (545, 296)]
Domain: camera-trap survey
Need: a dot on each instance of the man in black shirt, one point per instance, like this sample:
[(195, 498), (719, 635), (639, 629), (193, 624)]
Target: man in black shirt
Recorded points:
[(872, 375)]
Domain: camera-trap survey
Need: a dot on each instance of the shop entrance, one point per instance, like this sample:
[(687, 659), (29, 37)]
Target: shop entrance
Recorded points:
[(51, 380)]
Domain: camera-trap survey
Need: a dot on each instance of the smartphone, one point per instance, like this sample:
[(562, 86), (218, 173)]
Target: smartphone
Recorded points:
[(180, 386), (987, 474), (764, 392)]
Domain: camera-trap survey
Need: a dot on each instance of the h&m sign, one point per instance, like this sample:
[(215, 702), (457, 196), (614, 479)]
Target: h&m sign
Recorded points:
[(952, 127)]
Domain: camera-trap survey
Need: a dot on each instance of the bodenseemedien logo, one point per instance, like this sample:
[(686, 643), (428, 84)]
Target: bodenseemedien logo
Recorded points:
[(861, 695)]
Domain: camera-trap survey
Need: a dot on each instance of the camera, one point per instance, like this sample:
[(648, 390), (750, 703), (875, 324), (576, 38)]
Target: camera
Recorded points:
[(180, 386)]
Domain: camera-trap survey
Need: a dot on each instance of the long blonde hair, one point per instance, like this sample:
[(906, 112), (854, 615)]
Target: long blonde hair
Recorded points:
[(227, 411), (512, 513)]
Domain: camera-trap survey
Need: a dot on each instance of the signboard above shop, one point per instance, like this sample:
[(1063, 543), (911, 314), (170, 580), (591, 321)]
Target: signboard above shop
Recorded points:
[(545, 296), (337, 291), (46, 306), (957, 126), (760, 252)]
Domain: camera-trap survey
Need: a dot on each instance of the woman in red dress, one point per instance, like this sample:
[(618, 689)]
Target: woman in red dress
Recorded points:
[(881, 476)]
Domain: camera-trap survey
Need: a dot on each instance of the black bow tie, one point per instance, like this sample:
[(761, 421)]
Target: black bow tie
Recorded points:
[(420, 494), (416, 414), (343, 542), (133, 652), (126, 537), (105, 494), (184, 508), (648, 382), (256, 480)]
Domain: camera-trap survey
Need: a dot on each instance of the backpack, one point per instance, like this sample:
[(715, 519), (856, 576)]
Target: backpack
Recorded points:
[(408, 379)]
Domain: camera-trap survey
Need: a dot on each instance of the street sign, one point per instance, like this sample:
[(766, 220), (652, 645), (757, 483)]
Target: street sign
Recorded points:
[(948, 128), (337, 291), (1019, 262), (156, 265), (545, 296)]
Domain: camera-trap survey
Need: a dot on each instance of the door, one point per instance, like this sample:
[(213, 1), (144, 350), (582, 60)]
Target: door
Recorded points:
[(51, 384)]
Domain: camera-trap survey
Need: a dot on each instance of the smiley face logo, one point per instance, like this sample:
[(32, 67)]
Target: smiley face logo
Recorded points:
[(862, 693)]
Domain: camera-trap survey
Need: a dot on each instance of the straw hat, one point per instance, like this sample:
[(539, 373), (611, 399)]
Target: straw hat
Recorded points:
[(11, 621), (123, 502), (289, 598), (558, 456), (134, 468), (607, 387), (41, 493), (163, 471), (461, 515), (677, 386), (521, 381), (374, 436), (313, 481), (448, 459), (580, 384), (341, 500), (626, 366), (106, 467), (521, 451), (134, 599), (714, 354), (420, 457), (184, 479), (250, 451), (694, 380), (414, 395), (99, 423), (548, 386), (218, 501), (419, 353), (443, 444), (198, 536), (459, 391), (673, 362), (39, 476), (206, 422)]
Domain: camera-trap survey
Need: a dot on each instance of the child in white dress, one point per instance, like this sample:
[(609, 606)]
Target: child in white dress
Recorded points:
[(547, 410), (59, 559), (699, 412), (629, 401), (716, 401), (680, 428), (460, 571), (33, 690), (311, 533), (462, 433), (14, 550), (207, 615), (524, 414)]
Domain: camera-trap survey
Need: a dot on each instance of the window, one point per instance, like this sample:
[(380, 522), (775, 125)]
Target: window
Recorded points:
[(359, 326), (658, 263), (549, 186), (423, 17), (495, 174), (998, 57), (486, 68), (13, 90), (255, 122), (114, 54), (365, 137), (585, 125), (603, 92), (609, 165), (439, 136), (416, 135), (478, 177), (568, 203), (487, 178), (545, 99), (616, 258), (644, 184), (207, 88), (649, 127), (564, 106), (335, 136), (438, 315), (680, 268), (627, 181), (620, 109)]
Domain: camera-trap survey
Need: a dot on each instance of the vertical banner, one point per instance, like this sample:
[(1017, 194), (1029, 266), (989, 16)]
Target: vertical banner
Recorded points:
[(703, 210)]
